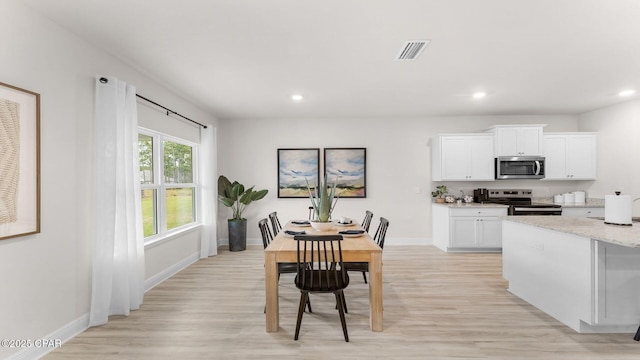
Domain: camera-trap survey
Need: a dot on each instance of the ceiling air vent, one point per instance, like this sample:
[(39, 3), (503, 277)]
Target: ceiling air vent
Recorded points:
[(412, 49)]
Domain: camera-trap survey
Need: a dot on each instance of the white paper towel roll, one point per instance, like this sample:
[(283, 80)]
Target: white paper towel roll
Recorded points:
[(617, 209)]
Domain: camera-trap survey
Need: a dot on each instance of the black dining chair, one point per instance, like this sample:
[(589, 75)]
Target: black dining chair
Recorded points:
[(363, 267), (321, 270), (275, 223), (283, 268), (366, 223)]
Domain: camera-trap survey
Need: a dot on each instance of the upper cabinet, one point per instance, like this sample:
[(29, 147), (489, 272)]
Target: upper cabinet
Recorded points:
[(462, 157), (570, 156), (517, 140)]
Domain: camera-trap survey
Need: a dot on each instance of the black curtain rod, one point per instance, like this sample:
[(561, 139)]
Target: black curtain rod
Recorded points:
[(169, 111)]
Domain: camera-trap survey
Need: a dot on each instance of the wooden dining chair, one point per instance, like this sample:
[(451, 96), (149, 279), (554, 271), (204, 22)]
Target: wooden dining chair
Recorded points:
[(363, 267), (275, 223), (283, 268), (366, 223), (321, 270)]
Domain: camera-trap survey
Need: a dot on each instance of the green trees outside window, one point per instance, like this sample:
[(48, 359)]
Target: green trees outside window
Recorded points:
[(167, 180)]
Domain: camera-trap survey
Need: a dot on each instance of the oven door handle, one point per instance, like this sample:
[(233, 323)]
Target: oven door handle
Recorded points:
[(537, 167), (517, 208)]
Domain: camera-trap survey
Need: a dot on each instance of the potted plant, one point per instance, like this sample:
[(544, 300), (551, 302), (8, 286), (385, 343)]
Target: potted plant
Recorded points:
[(440, 191), (323, 204), (235, 196)]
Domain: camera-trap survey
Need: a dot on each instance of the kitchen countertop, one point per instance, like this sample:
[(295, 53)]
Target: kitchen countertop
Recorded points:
[(473, 205), (628, 236), (593, 203)]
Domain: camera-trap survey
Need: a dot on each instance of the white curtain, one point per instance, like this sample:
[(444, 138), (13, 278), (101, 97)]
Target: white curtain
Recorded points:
[(118, 263), (209, 190)]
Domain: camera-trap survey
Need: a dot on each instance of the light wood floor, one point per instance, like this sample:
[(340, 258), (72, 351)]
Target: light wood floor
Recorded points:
[(436, 306)]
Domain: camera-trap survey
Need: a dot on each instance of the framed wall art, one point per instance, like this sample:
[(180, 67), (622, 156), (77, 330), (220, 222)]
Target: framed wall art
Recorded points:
[(19, 162), (295, 168), (347, 167)]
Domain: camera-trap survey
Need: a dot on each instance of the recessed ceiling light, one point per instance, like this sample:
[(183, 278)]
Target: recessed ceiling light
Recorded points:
[(626, 92), (479, 95), (297, 97)]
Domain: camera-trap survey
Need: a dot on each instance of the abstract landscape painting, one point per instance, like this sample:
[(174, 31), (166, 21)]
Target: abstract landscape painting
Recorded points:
[(19, 162), (295, 168), (347, 168)]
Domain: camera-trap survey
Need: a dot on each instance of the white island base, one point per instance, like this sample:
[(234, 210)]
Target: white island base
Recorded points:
[(590, 285)]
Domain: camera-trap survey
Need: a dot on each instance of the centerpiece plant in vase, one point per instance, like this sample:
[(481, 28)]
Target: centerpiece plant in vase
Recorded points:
[(323, 202)]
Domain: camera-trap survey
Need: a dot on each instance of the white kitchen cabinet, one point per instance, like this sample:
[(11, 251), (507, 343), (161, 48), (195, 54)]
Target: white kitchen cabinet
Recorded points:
[(583, 211), (570, 156), (518, 140), (467, 228), (462, 157)]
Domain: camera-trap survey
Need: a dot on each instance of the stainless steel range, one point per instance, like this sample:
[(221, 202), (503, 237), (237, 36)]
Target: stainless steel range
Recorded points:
[(519, 201)]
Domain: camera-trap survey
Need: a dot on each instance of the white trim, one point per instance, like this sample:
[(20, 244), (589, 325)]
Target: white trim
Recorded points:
[(81, 324), (387, 241), (408, 241), (157, 279), (160, 239), (64, 334)]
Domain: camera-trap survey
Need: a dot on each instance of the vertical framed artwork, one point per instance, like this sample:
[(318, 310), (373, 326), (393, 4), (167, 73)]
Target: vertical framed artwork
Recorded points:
[(19, 162), (348, 168), (295, 168)]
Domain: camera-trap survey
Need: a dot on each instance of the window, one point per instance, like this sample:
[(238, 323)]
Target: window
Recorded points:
[(167, 179)]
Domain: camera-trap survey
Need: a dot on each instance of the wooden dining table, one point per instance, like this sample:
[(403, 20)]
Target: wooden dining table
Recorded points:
[(354, 249)]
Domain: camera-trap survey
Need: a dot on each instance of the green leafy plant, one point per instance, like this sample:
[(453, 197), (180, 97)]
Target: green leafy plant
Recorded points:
[(323, 200), (235, 196), (440, 190)]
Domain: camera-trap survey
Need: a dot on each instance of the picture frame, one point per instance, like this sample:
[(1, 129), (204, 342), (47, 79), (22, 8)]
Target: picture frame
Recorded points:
[(295, 168), (348, 168), (20, 163)]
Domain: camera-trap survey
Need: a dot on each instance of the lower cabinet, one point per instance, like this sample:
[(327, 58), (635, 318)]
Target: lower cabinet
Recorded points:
[(583, 211), (468, 228), (589, 285)]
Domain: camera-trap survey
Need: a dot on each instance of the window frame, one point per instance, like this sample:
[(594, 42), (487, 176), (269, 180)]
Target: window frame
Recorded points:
[(160, 186)]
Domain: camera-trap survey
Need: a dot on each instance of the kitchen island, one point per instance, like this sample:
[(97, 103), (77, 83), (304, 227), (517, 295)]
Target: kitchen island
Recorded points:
[(584, 273)]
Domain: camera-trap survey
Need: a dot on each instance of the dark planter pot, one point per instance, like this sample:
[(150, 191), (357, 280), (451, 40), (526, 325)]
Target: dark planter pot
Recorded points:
[(237, 235)]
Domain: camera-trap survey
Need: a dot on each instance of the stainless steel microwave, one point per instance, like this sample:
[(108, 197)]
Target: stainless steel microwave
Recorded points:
[(519, 167)]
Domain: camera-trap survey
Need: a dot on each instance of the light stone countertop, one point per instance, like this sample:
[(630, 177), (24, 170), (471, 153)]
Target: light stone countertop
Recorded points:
[(589, 203), (628, 236)]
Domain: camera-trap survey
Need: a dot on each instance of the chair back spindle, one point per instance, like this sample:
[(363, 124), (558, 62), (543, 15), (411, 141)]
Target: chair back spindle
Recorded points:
[(263, 225), (366, 223), (381, 233), (275, 223)]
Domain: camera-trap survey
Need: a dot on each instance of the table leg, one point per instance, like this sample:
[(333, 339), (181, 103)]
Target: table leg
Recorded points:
[(271, 292), (375, 291)]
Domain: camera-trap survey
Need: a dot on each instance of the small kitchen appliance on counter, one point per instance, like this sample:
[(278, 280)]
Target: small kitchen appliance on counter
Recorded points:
[(617, 209)]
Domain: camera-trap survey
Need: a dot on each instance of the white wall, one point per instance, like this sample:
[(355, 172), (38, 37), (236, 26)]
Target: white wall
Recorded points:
[(398, 165), (46, 278), (618, 129)]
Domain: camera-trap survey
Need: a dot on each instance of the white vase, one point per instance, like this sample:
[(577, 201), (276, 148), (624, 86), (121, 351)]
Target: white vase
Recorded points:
[(321, 226)]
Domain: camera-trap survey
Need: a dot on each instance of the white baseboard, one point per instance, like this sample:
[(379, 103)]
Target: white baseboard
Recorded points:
[(387, 242), (62, 335), (407, 241), (158, 278), (81, 324)]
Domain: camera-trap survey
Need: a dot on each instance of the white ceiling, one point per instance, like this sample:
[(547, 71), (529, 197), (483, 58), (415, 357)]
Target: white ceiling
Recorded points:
[(244, 58)]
